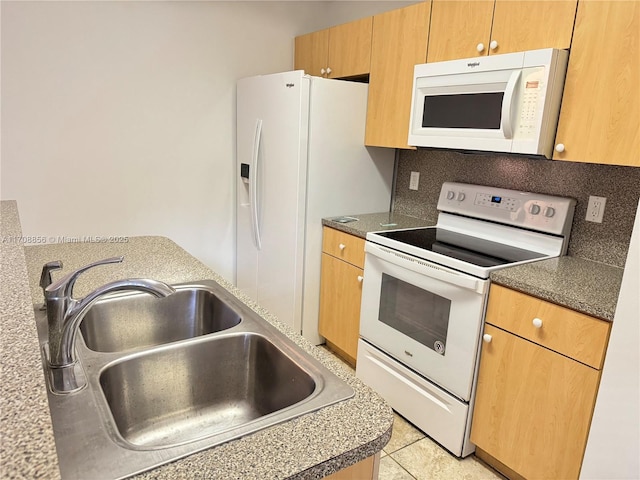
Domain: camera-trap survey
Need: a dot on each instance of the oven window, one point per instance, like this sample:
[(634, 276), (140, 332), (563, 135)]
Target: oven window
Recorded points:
[(417, 313), (469, 110)]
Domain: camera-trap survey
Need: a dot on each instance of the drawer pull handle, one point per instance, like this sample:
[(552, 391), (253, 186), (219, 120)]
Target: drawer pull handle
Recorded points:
[(342, 246), (537, 323), (487, 338), (360, 278)]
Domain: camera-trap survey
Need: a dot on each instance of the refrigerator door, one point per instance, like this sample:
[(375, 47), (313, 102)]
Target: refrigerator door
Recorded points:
[(272, 126)]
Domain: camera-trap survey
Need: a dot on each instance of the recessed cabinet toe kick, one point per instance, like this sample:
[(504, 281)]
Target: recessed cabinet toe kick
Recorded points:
[(162, 378), (424, 297)]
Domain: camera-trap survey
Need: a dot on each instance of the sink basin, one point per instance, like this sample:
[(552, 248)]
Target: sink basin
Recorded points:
[(184, 392), (166, 378), (128, 321)]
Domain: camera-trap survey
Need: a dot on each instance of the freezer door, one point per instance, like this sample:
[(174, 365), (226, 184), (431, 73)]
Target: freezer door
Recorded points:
[(272, 126)]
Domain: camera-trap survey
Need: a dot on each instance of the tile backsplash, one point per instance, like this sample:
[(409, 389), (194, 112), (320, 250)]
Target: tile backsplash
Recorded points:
[(606, 242)]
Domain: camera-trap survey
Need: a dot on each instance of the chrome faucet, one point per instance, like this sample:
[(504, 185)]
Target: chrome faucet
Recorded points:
[(64, 314)]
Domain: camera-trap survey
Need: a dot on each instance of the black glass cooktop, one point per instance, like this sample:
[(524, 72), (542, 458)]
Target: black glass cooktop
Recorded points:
[(466, 248)]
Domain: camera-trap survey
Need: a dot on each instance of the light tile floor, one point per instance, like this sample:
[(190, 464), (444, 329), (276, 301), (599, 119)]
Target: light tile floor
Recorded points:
[(411, 455)]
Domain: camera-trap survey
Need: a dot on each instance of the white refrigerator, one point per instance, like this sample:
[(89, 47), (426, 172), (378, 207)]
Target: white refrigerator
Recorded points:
[(300, 157)]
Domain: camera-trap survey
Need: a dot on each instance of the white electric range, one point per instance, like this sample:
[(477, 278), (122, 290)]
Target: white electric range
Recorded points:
[(425, 292)]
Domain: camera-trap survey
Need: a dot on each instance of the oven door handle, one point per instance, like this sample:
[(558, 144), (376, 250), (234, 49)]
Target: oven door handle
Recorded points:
[(426, 268)]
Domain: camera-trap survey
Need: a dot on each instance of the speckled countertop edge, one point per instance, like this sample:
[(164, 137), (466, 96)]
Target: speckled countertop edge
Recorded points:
[(311, 446), (583, 285)]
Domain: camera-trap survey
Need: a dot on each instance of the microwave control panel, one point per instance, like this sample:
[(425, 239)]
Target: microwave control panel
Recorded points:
[(531, 86), (535, 211)]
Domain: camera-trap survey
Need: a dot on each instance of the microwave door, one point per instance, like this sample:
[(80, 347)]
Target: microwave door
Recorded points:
[(474, 111)]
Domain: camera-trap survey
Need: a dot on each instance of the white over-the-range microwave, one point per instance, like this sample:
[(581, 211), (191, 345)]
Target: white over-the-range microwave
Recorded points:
[(500, 103)]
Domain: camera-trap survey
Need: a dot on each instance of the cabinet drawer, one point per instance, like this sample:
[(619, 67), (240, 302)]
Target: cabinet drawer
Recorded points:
[(565, 331), (343, 246)]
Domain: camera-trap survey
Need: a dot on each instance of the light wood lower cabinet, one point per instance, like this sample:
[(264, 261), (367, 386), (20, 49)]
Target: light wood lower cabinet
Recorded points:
[(533, 405), (341, 292)]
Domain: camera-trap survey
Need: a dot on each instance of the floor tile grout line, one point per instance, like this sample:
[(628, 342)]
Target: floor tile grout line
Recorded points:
[(401, 466)]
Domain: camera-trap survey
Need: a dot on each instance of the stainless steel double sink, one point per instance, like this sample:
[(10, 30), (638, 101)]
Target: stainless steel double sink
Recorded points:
[(173, 376)]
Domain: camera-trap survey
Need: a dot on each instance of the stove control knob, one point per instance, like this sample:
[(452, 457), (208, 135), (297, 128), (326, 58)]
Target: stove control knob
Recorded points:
[(460, 196), (534, 209), (549, 212), (451, 195)]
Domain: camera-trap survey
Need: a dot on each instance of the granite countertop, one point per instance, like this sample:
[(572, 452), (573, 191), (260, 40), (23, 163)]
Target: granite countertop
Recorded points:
[(311, 446), (583, 285), (375, 222)]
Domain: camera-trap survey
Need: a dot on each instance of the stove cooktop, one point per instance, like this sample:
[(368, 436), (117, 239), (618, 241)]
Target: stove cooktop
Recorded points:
[(467, 248)]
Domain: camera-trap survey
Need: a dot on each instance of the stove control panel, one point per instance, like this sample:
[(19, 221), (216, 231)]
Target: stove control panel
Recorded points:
[(535, 211)]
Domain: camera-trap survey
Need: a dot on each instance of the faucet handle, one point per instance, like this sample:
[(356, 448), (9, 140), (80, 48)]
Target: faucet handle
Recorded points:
[(64, 286), (45, 277)]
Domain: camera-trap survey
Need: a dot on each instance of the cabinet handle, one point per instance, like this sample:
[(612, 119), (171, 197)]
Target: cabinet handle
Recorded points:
[(480, 47), (328, 70), (322, 71), (493, 45), (487, 338), (560, 147), (360, 278), (342, 246), (537, 323)]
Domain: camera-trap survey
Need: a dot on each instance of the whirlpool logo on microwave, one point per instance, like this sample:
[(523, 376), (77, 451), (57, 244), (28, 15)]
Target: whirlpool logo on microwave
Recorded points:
[(473, 64)]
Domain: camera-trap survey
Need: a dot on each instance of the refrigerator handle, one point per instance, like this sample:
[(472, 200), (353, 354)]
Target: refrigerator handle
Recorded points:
[(253, 185)]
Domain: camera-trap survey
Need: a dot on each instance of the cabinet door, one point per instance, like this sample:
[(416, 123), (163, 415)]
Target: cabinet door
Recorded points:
[(600, 114), (530, 25), (458, 28), (312, 52), (350, 48), (399, 42), (340, 295), (533, 407)]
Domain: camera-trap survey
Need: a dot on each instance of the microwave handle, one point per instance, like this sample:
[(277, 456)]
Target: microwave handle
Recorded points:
[(508, 104)]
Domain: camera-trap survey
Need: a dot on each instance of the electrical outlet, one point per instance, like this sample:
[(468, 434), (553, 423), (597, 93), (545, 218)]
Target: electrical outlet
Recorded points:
[(595, 209), (415, 180)]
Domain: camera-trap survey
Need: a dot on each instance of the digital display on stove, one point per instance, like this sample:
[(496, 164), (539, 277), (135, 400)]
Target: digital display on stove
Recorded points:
[(495, 199)]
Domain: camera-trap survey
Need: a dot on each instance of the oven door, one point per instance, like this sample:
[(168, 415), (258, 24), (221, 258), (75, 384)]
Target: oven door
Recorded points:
[(426, 316)]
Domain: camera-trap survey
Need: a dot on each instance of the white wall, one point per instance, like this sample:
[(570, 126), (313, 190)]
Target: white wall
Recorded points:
[(118, 118)]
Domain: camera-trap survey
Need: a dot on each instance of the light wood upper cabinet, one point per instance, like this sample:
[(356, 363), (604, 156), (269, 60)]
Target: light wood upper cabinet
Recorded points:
[(538, 379), (312, 52), (600, 114), (342, 51), (399, 42), (469, 28), (530, 25), (457, 27)]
